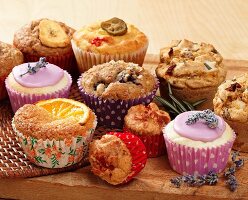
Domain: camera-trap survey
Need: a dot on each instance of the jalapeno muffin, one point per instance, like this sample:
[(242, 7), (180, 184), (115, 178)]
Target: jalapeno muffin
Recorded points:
[(46, 38), (147, 123), (9, 58), (110, 89), (108, 40), (193, 70), (231, 102)]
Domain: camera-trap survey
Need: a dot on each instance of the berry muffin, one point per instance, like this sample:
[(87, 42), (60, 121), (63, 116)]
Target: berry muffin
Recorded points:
[(198, 142), (9, 57), (193, 70), (108, 40), (35, 81), (147, 123), (46, 38), (110, 89), (54, 133), (231, 102), (117, 157)]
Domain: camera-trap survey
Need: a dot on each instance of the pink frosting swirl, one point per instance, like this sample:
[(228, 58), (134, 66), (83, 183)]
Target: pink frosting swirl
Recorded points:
[(46, 76), (198, 131)]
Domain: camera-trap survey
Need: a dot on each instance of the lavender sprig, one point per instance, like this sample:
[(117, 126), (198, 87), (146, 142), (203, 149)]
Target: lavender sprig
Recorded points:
[(40, 64), (232, 182)]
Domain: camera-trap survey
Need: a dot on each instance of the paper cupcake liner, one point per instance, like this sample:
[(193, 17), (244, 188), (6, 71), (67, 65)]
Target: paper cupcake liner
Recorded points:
[(137, 150), (110, 112), (18, 99), (155, 145), (198, 161), (55, 153), (66, 61), (86, 60)]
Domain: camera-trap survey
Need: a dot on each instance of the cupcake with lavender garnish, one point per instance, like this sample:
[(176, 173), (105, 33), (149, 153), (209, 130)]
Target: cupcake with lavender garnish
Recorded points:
[(198, 142), (35, 81)]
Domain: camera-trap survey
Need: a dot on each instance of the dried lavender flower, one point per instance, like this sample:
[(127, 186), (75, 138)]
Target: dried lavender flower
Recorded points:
[(40, 64), (177, 181), (232, 183)]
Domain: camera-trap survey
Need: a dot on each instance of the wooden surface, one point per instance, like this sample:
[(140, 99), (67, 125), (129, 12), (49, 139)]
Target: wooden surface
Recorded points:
[(223, 23), (152, 183)]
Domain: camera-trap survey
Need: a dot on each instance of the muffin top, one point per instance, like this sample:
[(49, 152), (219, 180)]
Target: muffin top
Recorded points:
[(37, 78), (146, 120), (199, 129), (9, 57), (35, 121), (231, 99), (44, 37), (187, 64), (110, 159), (117, 80), (95, 38)]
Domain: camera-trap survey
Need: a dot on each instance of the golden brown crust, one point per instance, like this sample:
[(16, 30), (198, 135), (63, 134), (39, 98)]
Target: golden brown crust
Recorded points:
[(27, 40), (231, 99), (188, 64), (110, 159), (146, 120), (37, 122), (118, 80)]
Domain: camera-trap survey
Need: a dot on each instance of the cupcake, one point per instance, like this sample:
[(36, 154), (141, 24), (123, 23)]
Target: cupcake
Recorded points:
[(231, 103), (147, 123), (46, 38), (117, 157), (108, 40), (198, 142), (9, 57), (54, 133), (31, 82), (110, 89), (193, 70)]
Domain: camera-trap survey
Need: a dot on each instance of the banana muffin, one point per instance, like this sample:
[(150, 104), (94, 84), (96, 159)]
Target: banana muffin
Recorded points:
[(231, 102), (9, 58), (110, 89), (193, 70), (46, 38), (108, 40)]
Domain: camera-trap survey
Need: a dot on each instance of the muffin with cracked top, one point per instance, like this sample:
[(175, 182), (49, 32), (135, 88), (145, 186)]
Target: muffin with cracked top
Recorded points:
[(231, 102), (194, 71), (110, 89)]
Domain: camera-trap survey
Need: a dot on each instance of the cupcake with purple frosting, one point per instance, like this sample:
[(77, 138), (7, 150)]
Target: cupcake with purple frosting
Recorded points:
[(198, 142), (35, 81)]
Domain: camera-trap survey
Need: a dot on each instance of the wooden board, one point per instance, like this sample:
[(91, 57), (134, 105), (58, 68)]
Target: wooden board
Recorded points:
[(152, 183)]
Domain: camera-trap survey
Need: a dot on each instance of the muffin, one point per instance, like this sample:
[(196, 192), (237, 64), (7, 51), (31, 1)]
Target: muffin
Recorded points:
[(31, 82), (46, 38), (198, 142), (117, 157), (147, 123), (110, 89), (231, 103), (193, 70), (9, 57), (108, 40), (54, 133)]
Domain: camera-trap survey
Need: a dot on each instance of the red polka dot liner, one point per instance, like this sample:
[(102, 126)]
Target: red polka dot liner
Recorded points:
[(137, 150), (198, 161), (110, 112)]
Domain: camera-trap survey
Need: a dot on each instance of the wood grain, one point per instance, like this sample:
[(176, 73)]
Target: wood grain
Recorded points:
[(152, 183), (222, 23)]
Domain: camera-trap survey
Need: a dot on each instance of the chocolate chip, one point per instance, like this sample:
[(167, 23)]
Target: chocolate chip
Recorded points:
[(233, 87), (170, 52), (170, 69)]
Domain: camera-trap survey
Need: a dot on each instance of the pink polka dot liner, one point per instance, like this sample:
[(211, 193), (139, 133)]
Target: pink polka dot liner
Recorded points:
[(111, 112), (198, 161)]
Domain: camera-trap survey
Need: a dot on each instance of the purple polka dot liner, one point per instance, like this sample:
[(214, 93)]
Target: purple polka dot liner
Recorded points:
[(109, 112), (198, 161)]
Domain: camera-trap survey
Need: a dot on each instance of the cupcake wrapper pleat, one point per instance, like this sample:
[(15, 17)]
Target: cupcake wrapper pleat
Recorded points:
[(18, 99), (110, 112), (55, 153), (198, 161), (86, 60), (137, 150)]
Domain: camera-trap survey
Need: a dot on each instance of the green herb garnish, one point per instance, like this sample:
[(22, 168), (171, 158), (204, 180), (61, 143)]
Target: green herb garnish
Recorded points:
[(207, 66)]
